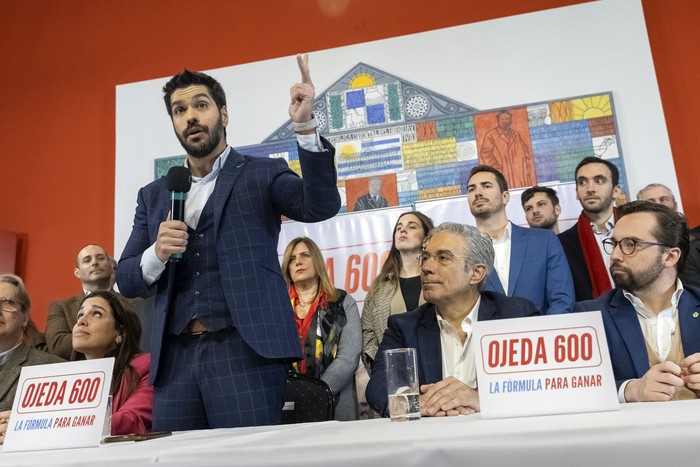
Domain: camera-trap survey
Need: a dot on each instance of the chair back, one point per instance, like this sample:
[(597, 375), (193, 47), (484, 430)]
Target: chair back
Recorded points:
[(307, 399)]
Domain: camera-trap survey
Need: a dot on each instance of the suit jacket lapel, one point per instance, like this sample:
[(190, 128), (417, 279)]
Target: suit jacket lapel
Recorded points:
[(689, 320), (428, 345), (493, 282), (625, 318), (518, 246), (11, 369), (487, 309), (235, 163)]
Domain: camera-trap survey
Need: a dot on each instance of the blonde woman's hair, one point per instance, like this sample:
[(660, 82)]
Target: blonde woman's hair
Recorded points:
[(324, 281)]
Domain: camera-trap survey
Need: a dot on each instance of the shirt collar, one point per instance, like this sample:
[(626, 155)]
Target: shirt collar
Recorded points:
[(609, 224), (468, 320), (507, 232), (644, 312), (218, 164), (5, 356)]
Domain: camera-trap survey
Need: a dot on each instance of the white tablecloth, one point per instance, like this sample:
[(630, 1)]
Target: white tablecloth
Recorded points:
[(654, 434)]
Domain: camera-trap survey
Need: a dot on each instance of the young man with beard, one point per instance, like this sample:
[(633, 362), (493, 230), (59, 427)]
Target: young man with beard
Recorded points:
[(223, 330), (529, 263), (541, 206), (650, 318), (596, 189)]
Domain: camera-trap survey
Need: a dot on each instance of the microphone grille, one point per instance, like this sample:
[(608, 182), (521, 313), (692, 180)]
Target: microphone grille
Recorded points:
[(178, 179)]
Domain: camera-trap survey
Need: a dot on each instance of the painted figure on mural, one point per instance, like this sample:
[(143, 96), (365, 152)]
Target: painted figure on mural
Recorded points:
[(373, 198), (504, 149)]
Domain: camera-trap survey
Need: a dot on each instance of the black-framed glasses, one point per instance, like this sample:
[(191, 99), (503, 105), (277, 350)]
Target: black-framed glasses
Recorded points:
[(442, 257), (627, 245), (9, 305)]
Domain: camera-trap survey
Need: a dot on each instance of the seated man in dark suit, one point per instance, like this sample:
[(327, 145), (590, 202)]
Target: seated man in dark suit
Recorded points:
[(454, 263), (650, 317), (14, 354)]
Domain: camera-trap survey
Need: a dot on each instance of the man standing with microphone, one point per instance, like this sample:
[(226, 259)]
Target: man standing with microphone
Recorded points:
[(221, 344)]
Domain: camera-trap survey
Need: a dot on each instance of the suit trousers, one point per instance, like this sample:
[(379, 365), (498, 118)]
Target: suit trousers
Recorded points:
[(215, 380)]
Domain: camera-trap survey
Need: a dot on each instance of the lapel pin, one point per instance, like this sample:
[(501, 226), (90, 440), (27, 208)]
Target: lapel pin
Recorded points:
[(696, 314)]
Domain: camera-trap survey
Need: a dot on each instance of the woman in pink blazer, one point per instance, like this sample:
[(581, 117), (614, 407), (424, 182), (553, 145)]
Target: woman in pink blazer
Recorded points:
[(106, 328)]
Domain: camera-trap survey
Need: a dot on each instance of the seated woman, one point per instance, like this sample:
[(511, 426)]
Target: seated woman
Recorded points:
[(107, 328), (397, 288), (328, 323)]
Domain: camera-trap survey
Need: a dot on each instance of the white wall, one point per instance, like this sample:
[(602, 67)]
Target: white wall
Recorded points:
[(559, 53)]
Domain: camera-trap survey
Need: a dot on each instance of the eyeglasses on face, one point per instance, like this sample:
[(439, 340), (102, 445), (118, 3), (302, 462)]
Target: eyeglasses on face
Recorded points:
[(9, 305), (441, 257), (627, 245)]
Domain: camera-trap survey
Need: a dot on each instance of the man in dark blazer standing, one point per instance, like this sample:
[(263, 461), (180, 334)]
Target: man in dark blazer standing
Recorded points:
[(454, 264), (651, 319), (223, 329), (597, 186)]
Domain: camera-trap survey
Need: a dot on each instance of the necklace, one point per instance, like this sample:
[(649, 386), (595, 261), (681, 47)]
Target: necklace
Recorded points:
[(306, 301)]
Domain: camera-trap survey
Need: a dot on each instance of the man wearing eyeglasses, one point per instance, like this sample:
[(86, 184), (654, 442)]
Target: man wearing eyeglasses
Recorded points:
[(14, 354), (455, 261), (652, 321)]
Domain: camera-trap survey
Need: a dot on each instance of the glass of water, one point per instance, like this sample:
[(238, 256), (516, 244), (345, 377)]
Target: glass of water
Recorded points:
[(402, 384), (107, 425)]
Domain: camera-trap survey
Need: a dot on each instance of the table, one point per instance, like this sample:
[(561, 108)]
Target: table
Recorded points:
[(665, 433)]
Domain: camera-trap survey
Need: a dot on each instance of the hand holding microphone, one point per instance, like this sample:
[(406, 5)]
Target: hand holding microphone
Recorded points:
[(172, 233)]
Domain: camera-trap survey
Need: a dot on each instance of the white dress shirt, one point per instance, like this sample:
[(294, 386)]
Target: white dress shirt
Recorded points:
[(501, 263), (602, 235), (458, 358), (658, 330), (202, 188)]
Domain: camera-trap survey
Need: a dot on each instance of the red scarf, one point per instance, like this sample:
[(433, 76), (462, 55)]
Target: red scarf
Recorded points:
[(304, 324), (600, 281)]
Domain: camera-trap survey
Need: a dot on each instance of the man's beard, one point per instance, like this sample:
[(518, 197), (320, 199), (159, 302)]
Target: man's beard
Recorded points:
[(633, 282), (484, 211), (202, 149), (602, 207), (548, 224)]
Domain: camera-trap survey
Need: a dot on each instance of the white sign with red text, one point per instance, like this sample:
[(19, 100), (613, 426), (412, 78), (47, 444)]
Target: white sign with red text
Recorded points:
[(543, 365), (62, 405)]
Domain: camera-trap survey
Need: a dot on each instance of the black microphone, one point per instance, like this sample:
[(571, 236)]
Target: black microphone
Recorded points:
[(178, 181)]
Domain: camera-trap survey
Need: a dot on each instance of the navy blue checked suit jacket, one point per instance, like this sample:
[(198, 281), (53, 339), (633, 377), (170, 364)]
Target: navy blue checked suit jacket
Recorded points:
[(419, 329), (251, 195), (628, 351), (538, 271)]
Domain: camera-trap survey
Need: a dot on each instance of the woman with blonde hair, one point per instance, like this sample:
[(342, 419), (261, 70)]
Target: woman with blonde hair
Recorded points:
[(328, 322)]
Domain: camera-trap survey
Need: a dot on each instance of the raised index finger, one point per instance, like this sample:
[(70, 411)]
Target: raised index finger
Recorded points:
[(303, 62)]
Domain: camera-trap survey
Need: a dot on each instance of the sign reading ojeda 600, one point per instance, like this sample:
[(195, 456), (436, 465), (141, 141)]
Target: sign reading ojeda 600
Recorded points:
[(543, 365), (59, 406)]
